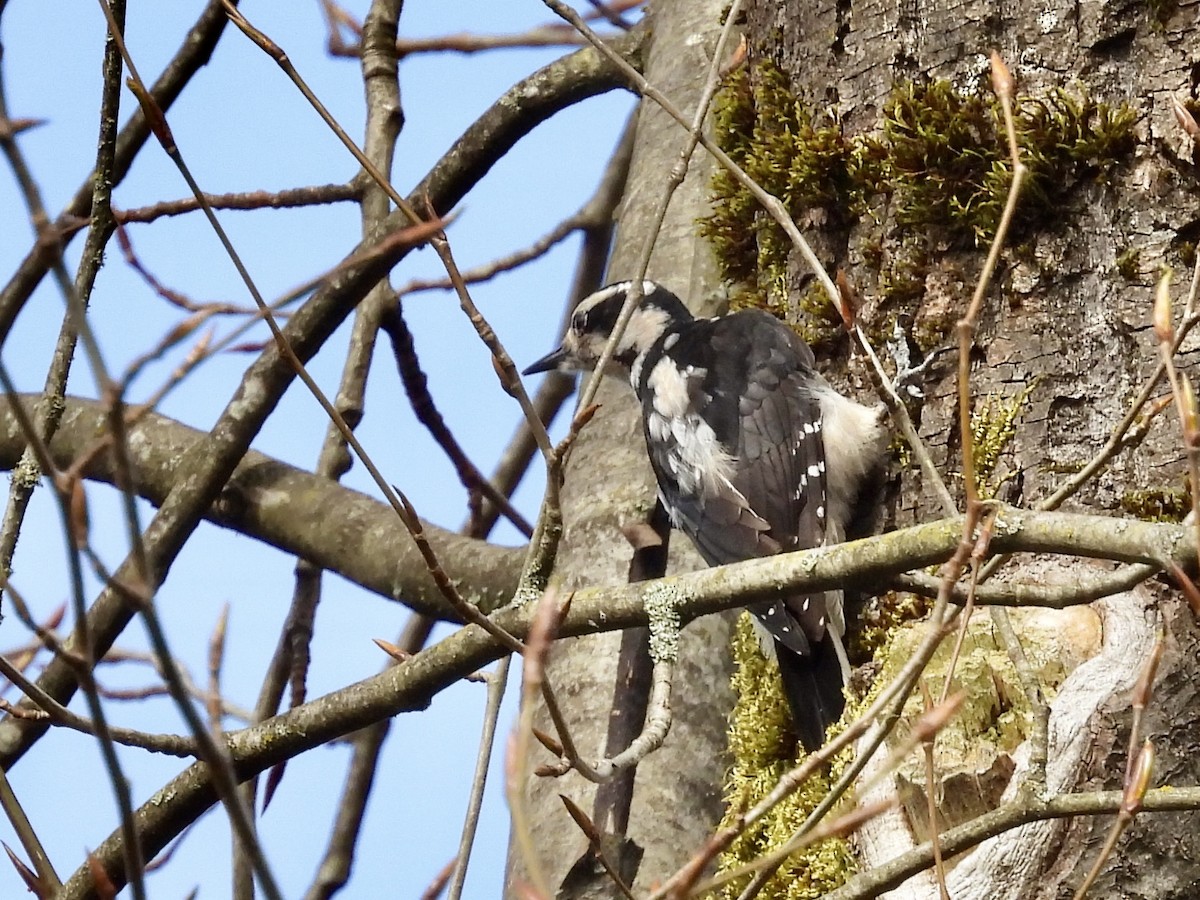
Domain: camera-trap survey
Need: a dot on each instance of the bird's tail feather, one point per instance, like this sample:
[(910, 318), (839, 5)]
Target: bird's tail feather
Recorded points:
[(813, 688)]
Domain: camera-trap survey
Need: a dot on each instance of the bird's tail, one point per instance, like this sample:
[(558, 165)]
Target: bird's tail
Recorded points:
[(813, 687)]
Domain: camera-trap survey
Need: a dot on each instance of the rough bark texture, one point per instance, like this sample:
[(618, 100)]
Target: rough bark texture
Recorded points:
[(676, 798), (1064, 345), (1067, 320), (1060, 313)]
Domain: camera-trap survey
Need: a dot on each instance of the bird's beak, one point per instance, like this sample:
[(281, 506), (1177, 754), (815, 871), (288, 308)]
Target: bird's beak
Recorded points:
[(552, 360)]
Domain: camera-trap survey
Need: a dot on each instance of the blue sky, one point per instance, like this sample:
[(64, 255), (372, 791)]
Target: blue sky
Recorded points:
[(242, 126)]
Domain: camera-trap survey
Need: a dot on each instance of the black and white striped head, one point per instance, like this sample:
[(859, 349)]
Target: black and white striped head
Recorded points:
[(594, 319)]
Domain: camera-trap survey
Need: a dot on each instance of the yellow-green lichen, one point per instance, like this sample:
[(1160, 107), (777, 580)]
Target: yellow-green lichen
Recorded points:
[(1158, 504), (973, 753), (993, 426), (996, 715), (763, 748)]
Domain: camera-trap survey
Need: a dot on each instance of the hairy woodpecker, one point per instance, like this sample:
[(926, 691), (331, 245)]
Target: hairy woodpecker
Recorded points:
[(755, 454)]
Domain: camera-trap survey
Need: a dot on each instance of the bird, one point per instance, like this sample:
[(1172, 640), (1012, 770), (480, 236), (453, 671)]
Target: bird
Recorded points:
[(754, 452)]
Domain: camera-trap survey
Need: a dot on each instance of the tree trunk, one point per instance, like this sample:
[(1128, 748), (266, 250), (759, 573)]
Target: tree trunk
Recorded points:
[(653, 823), (1064, 346)]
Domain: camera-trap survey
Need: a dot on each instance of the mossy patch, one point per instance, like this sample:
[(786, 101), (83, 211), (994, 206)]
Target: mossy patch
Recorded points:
[(763, 749), (1158, 504), (945, 158), (935, 166), (1129, 263), (881, 616), (793, 150)]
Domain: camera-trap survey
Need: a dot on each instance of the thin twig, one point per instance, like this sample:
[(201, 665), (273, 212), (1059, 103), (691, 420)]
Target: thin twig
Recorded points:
[(1181, 389), (931, 804), (81, 656), (288, 198), (1039, 709), (213, 753), (929, 724), (899, 414), (49, 414), (1142, 693), (763, 868), (392, 322), (541, 633), (596, 840), (881, 879), (216, 657), (293, 653), (497, 681), (1139, 768), (977, 555), (650, 738), (1079, 593), (25, 832), (1002, 83), (437, 239), (1133, 796)]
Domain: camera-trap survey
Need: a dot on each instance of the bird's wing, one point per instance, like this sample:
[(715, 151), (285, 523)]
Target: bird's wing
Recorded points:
[(734, 436), (780, 471), (742, 471)]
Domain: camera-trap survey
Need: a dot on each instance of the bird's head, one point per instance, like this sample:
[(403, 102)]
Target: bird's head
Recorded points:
[(593, 322)]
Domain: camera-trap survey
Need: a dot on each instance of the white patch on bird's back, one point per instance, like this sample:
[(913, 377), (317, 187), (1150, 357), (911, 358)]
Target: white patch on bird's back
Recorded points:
[(648, 324), (669, 385), (695, 457)]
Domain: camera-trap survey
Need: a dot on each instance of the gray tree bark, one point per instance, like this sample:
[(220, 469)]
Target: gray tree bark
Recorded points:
[(676, 800), (1068, 321)]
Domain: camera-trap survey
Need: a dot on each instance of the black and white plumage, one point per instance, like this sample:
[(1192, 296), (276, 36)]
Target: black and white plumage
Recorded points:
[(755, 454)]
